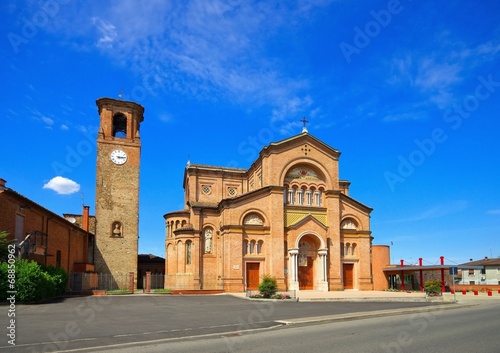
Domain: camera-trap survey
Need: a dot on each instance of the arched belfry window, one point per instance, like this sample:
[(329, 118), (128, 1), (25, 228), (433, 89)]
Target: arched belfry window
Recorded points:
[(120, 126)]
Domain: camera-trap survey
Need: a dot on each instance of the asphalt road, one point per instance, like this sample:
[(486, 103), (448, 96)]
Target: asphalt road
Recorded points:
[(462, 330), (84, 322)]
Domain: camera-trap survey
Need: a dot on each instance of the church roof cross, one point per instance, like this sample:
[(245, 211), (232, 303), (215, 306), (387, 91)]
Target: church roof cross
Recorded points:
[(304, 121)]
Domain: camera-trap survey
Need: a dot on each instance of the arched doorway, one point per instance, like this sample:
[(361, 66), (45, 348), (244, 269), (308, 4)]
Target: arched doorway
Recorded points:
[(307, 263), (308, 253)]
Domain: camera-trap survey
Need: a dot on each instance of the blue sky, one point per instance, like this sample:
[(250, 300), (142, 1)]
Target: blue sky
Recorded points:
[(408, 91)]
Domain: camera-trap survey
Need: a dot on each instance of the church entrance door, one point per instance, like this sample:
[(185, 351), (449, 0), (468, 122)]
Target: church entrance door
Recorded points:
[(306, 275), (348, 276), (252, 275)]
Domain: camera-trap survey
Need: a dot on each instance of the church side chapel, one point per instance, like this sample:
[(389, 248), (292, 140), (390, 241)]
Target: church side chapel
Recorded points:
[(288, 215)]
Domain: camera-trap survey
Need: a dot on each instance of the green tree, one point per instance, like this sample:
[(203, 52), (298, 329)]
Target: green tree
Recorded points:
[(4, 243)]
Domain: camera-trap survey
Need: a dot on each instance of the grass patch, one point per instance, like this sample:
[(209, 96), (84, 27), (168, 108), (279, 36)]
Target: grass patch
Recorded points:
[(163, 291), (117, 292)]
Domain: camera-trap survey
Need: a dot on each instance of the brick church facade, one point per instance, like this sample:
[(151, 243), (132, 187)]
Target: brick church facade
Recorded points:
[(288, 215)]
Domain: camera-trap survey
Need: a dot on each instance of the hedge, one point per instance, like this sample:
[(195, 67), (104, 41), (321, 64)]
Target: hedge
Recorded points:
[(33, 282)]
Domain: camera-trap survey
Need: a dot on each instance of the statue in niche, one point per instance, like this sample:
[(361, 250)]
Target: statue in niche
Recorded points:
[(117, 230), (208, 241)]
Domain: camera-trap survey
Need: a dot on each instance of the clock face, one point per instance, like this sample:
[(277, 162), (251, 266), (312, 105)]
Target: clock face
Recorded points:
[(118, 157)]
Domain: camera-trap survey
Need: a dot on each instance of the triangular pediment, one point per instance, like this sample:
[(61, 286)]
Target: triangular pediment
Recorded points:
[(294, 220), (305, 139)]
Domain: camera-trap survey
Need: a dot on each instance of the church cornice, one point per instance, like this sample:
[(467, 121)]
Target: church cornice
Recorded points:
[(266, 190), (118, 104), (348, 199), (241, 228), (179, 213), (352, 233)]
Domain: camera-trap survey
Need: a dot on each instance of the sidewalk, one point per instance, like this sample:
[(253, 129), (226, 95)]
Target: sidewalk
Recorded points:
[(384, 296), (469, 297), (354, 295)]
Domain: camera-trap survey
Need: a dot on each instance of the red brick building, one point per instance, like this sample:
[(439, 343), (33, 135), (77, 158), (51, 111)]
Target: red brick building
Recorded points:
[(289, 216), (46, 237)]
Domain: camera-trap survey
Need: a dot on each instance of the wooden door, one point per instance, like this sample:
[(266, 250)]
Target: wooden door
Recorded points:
[(306, 275), (348, 276), (252, 276)]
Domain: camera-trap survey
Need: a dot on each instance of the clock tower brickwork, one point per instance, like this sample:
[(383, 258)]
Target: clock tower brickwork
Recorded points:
[(117, 188)]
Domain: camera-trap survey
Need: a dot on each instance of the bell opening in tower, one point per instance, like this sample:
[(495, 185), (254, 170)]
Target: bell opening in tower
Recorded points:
[(120, 126)]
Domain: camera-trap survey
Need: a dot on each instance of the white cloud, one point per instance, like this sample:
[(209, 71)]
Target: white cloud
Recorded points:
[(107, 31), (62, 185), (47, 120), (435, 79), (413, 115), (436, 211), (207, 49), (64, 127), (165, 117)]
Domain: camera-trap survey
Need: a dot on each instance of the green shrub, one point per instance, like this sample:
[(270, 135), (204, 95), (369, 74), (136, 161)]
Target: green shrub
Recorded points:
[(432, 287), (4, 243), (268, 286), (33, 281), (59, 278)]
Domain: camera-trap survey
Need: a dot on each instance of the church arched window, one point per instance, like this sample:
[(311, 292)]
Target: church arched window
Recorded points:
[(252, 247), (260, 244), (189, 245), (245, 247)]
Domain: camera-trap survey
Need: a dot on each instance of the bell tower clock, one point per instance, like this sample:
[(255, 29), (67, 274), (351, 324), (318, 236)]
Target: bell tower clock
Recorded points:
[(117, 188)]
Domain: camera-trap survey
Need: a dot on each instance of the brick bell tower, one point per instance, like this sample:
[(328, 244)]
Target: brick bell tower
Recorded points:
[(117, 189)]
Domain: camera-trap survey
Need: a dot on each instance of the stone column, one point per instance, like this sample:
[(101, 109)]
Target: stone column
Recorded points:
[(323, 282), (294, 284)]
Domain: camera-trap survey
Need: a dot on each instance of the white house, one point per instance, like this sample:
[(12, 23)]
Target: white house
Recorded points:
[(486, 271)]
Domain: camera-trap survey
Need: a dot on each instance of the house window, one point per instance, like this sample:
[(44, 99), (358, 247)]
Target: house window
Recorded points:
[(19, 228), (471, 272), (90, 249), (206, 189), (245, 247), (58, 258)]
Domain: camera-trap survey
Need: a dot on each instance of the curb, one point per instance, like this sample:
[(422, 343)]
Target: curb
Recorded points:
[(372, 314)]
